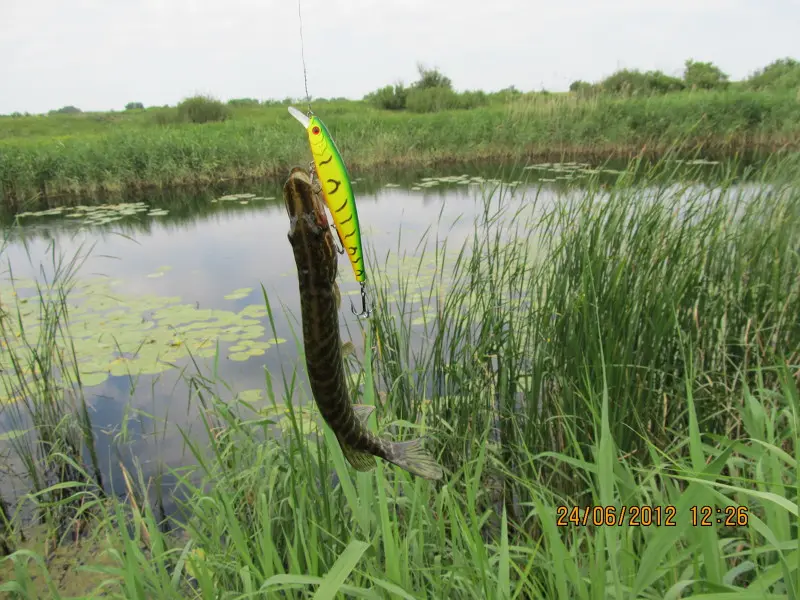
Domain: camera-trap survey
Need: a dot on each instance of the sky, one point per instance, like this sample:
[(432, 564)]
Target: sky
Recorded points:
[(102, 54)]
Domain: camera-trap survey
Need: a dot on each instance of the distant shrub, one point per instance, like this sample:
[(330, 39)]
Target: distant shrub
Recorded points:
[(202, 109), (631, 82), (783, 74), (431, 78), (134, 106), (65, 110), (431, 100), (472, 99), (704, 75), (243, 102), (583, 88), (165, 116), (437, 99), (505, 95), (389, 97)]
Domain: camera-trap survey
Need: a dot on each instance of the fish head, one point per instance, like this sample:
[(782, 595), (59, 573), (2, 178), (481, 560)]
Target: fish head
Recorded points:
[(309, 231)]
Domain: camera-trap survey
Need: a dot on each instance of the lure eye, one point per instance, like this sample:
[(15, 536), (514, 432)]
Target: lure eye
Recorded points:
[(315, 130)]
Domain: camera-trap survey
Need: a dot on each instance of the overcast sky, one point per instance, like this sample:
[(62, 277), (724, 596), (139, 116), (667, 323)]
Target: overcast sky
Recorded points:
[(101, 54)]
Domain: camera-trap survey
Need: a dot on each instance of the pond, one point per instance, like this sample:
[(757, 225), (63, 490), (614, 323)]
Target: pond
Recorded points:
[(158, 279)]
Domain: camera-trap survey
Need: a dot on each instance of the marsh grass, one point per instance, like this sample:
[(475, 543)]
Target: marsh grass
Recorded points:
[(77, 154), (632, 346), (49, 419)]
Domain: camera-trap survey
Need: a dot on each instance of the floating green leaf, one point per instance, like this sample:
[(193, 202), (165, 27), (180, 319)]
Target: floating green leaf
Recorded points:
[(239, 294)]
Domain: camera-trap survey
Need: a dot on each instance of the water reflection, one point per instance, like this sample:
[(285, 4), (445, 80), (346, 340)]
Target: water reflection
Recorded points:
[(214, 248)]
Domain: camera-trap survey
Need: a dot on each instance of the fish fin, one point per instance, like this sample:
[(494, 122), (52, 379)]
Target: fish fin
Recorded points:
[(363, 411), (360, 461), (338, 294), (348, 348), (412, 457)]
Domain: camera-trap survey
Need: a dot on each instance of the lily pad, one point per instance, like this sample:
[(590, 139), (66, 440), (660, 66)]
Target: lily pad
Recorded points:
[(253, 395), (239, 294), (254, 311)]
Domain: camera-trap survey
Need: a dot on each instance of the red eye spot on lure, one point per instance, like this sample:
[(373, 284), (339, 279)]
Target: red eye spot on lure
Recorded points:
[(315, 130)]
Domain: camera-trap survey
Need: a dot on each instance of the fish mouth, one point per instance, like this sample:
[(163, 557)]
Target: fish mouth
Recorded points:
[(300, 197)]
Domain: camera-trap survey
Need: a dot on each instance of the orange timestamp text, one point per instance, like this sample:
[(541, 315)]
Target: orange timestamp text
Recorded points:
[(610, 516), (647, 516)]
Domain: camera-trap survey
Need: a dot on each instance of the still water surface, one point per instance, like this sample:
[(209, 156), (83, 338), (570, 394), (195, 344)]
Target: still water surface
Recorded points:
[(179, 262)]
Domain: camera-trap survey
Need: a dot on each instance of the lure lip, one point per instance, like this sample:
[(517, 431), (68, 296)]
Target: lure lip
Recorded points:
[(304, 120)]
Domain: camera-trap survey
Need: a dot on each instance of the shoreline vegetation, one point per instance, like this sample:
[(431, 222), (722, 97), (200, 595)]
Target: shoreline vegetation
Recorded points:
[(644, 352), (202, 140)]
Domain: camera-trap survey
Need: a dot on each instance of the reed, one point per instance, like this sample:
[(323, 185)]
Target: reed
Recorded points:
[(86, 154), (633, 346)]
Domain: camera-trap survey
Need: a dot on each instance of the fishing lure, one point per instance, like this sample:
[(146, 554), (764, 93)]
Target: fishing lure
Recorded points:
[(338, 194)]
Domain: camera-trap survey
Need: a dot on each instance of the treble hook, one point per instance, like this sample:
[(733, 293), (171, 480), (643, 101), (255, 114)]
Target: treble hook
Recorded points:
[(365, 312)]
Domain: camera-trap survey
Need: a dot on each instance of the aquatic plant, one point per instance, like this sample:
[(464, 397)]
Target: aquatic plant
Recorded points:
[(631, 346)]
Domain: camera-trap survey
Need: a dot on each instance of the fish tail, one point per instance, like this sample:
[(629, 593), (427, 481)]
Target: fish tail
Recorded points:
[(412, 457)]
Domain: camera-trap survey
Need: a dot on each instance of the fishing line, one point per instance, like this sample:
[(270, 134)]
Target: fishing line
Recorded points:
[(303, 56)]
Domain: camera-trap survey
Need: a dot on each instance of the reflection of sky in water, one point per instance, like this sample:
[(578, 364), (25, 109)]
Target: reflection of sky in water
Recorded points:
[(210, 257), (214, 251)]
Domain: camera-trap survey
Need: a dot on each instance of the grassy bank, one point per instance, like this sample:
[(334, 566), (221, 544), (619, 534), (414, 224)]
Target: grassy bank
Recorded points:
[(644, 351), (44, 156)]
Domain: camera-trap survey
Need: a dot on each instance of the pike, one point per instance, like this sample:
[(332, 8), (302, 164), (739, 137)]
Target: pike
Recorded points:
[(315, 256)]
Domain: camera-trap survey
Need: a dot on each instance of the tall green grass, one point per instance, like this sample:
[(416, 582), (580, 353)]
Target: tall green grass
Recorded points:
[(84, 155), (632, 346)]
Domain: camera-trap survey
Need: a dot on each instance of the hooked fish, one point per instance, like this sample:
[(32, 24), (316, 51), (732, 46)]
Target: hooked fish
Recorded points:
[(315, 256), (336, 188)]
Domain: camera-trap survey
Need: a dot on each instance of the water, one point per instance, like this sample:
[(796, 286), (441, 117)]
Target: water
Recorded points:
[(149, 269)]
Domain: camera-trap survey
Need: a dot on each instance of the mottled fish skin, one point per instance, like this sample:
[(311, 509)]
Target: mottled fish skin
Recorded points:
[(316, 259)]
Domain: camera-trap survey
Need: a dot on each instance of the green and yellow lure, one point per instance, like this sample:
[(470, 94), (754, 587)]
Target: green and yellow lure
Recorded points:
[(337, 191)]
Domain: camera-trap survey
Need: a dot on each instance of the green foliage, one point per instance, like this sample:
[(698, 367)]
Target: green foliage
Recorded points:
[(65, 110), (389, 97), (704, 76), (431, 78), (627, 346), (134, 106), (243, 102), (783, 74), (583, 88), (436, 99), (504, 96), (202, 109), (165, 116), (635, 83), (73, 154)]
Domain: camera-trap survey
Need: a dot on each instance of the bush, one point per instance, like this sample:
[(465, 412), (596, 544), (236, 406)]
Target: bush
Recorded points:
[(134, 106), (583, 88), (389, 97), (634, 83), (472, 99), (66, 110), (783, 74), (202, 109), (165, 116), (243, 102), (431, 78), (704, 75), (436, 99), (505, 95)]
